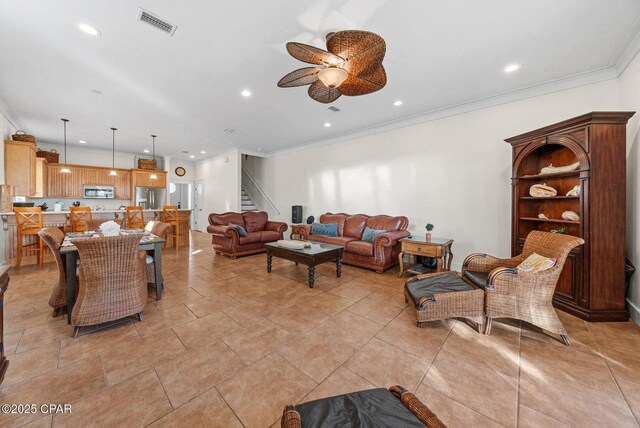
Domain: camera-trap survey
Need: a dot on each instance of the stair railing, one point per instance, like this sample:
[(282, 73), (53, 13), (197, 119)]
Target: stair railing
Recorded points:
[(264, 195)]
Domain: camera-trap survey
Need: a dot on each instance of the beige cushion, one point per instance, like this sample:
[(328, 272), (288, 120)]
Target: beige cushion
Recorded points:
[(536, 263)]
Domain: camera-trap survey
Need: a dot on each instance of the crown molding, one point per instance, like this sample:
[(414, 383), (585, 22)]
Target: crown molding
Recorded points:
[(570, 82), (630, 49), (4, 110)]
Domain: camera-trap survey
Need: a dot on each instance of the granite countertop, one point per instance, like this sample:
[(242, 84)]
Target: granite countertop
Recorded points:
[(93, 211)]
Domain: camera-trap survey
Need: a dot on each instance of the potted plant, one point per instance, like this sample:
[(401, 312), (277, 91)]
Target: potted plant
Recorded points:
[(429, 228)]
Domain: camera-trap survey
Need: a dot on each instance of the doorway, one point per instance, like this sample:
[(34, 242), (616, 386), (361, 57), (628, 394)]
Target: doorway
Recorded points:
[(180, 195), (197, 206)]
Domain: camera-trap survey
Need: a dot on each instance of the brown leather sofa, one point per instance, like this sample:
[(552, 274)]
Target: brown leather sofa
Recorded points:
[(226, 240), (379, 255)]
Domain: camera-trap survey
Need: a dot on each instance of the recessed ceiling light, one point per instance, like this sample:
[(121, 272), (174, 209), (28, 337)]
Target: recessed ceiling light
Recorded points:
[(327, 125), (89, 29), (260, 149), (82, 142), (246, 93), (192, 156), (397, 103), (202, 152), (146, 151), (511, 68)]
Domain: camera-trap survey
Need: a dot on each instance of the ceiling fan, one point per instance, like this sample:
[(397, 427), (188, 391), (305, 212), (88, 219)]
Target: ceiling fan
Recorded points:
[(351, 65)]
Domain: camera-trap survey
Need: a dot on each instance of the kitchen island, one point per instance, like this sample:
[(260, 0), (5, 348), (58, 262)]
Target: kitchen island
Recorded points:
[(62, 219)]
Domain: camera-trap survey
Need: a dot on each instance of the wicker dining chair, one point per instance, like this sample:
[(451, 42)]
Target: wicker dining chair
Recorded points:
[(53, 237), (527, 296), (160, 229), (82, 219), (135, 217), (112, 280)]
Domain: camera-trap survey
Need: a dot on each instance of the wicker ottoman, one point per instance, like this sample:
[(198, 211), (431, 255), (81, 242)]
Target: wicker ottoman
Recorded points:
[(375, 408), (442, 295)]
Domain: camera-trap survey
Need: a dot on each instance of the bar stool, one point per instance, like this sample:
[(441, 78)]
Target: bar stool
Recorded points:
[(135, 217), (29, 222), (170, 215), (80, 218)]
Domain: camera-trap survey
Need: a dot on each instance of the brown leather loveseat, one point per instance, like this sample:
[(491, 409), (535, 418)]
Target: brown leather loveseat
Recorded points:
[(379, 255), (259, 230)]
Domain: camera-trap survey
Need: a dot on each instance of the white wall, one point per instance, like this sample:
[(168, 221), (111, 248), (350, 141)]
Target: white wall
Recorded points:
[(630, 100), (452, 172), (189, 167), (220, 184), (88, 155), (6, 130)]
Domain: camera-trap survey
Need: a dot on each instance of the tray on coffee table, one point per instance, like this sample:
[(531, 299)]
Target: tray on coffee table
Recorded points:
[(312, 256)]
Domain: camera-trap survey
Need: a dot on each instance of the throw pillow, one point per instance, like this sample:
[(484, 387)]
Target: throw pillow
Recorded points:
[(239, 228), (536, 263), (370, 235), (328, 229)]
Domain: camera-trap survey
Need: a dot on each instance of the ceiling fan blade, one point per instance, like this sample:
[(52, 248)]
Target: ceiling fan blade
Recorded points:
[(299, 77), (312, 55), (362, 51), (361, 85), (319, 92)]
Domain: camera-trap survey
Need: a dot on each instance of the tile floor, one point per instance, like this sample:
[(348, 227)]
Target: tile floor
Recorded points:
[(229, 345)]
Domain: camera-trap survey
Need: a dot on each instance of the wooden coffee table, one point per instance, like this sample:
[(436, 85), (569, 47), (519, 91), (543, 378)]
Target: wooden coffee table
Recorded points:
[(318, 253)]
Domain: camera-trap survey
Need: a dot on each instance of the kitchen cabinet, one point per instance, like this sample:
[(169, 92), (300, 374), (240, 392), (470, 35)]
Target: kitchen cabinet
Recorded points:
[(42, 178), (123, 184), (20, 167), (72, 185), (141, 178), (74, 182), (57, 181)]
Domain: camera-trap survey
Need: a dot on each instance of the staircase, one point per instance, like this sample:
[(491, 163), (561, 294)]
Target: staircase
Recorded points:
[(246, 203)]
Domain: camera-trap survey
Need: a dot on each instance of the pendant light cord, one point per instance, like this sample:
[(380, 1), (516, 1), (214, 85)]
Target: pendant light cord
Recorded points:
[(65, 140), (113, 149)]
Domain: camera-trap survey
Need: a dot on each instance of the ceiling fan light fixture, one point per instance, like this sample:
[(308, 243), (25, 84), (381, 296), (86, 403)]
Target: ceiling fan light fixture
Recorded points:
[(332, 77)]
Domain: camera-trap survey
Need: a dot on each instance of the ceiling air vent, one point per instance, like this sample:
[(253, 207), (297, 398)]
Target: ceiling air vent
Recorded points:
[(334, 109), (156, 21)]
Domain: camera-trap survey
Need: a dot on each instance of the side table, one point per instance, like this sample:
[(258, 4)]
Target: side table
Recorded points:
[(439, 248), (297, 232)]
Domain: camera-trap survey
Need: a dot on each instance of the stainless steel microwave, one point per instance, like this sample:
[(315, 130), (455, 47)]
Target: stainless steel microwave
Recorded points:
[(99, 192)]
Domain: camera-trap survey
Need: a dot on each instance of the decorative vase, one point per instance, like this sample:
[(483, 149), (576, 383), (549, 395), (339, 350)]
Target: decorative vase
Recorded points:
[(427, 236)]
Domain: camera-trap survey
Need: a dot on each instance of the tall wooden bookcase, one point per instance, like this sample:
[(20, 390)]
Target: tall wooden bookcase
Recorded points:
[(591, 285)]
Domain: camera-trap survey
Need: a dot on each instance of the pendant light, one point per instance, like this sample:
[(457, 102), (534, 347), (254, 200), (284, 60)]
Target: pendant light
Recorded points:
[(113, 171), (153, 175), (65, 169)]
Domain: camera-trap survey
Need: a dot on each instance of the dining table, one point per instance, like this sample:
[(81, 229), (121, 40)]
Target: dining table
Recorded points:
[(150, 243)]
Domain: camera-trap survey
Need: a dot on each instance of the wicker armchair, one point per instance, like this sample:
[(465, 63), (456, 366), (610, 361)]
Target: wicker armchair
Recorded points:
[(160, 229), (53, 237), (113, 280), (364, 406), (526, 296)]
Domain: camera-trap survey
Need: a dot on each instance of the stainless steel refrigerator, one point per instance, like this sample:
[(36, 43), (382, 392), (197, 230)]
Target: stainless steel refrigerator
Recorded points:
[(151, 198)]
